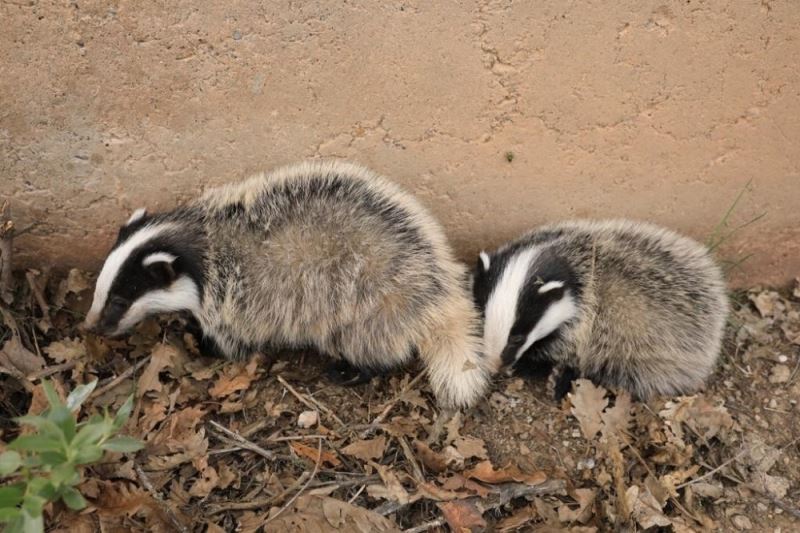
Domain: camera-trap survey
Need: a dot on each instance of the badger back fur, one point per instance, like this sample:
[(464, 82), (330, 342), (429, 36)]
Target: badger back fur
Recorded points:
[(325, 254), (625, 304)]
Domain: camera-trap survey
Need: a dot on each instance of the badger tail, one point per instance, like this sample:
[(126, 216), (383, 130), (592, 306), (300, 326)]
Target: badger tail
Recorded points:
[(452, 353)]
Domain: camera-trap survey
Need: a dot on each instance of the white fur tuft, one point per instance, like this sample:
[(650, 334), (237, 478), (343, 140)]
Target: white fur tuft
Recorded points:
[(158, 257), (113, 264), (501, 308), (558, 313), (485, 260), (136, 215), (182, 295), (550, 285)]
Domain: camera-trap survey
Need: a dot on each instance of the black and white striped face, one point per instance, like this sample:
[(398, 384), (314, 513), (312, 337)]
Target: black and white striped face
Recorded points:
[(525, 295), (143, 274)]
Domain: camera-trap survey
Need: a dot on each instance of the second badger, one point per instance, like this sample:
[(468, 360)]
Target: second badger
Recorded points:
[(325, 254), (625, 304)]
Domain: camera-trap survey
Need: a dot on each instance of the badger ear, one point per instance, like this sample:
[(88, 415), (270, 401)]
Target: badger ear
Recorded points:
[(483, 262), (136, 215), (160, 266)]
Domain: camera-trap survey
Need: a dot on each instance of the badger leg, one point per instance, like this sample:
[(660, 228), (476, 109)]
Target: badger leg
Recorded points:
[(560, 381)]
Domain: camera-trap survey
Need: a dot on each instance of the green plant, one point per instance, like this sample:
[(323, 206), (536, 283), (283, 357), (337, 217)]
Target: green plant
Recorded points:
[(44, 466)]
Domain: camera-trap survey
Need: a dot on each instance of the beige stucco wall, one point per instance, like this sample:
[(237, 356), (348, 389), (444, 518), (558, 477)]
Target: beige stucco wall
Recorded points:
[(659, 110)]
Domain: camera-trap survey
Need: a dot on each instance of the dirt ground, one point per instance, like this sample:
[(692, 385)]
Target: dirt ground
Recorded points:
[(271, 445)]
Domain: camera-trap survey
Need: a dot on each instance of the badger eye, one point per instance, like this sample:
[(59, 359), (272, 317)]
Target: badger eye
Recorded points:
[(117, 303)]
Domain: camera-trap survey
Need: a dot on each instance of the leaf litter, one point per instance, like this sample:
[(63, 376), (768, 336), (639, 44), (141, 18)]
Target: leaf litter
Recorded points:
[(231, 447)]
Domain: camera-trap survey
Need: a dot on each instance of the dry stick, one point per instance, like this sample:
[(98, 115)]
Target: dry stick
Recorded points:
[(38, 295), (426, 526), (261, 502), (389, 406), (6, 250), (302, 489), (119, 379), (244, 443), (794, 511), (507, 492), (418, 475), (50, 370), (712, 472), (164, 505), (310, 402), (19, 376)]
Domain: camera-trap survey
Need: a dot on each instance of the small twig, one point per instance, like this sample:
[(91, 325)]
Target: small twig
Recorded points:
[(50, 370), (426, 526), (302, 489), (38, 295), (794, 511), (389, 406), (259, 503), (357, 494), (244, 443), (143, 479), (19, 376), (418, 475), (6, 251), (296, 437), (361, 480), (310, 402), (505, 493), (712, 472), (119, 379)]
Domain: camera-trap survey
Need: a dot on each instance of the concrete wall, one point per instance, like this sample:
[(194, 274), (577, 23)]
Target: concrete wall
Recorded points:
[(659, 110)]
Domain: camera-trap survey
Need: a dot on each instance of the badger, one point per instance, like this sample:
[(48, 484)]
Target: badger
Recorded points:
[(322, 254), (626, 304)]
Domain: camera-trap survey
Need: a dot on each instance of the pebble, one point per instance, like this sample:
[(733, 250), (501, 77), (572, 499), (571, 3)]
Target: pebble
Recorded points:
[(741, 522), (576, 433), (780, 374), (773, 404), (307, 419), (586, 464), (782, 358), (237, 35)]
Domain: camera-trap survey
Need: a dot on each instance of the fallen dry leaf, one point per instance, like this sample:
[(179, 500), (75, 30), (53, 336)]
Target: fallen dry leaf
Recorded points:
[(484, 471), (470, 447), (457, 482), (462, 516), (366, 449), (518, 518), (645, 509), (391, 489), (66, 350), (433, 461), (162, 357), (320, 513), (588, 402), (617, 418), (14, 356), (313, 455), (582, 514), (235, 377)]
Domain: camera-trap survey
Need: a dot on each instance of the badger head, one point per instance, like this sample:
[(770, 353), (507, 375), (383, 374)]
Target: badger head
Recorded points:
[(525, 295), (149, 270)]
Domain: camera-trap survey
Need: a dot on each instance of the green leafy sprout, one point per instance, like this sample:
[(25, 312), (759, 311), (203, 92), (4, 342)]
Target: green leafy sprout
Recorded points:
[(44, 466)]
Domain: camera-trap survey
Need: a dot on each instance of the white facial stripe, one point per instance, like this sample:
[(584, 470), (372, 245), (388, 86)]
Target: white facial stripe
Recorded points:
[(485, 260), (158, 257), (114, 263), (182, 295), (501, 308), (139, 213), (558, 313), (550, 285)]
